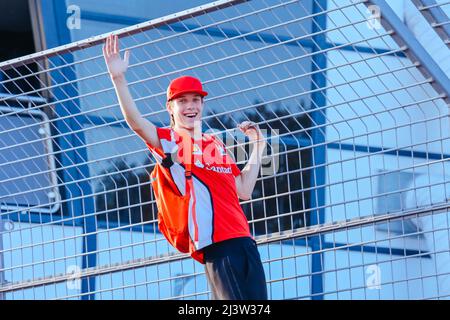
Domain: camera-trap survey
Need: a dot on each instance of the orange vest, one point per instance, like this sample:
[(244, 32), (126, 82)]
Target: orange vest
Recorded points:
[(173, 207), (197, 200)]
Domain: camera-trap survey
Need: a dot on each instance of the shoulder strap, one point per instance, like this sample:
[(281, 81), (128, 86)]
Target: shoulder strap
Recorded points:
[(188, 170), (187, 153)]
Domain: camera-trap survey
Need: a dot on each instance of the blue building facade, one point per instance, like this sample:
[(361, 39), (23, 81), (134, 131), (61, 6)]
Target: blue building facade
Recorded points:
[(355, 206)]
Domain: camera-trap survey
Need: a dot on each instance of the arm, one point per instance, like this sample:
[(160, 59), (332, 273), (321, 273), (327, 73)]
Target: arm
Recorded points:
[(117, 68), (245, 182)]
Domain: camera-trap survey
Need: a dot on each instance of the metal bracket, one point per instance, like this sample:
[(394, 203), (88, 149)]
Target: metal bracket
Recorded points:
[(436, 17), (415, 51)]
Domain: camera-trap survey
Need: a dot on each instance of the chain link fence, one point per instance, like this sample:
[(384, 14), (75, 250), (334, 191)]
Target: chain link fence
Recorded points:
[(352, 200)]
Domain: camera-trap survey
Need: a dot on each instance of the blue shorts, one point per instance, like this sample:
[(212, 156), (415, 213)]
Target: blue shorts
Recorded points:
[(234, 270)]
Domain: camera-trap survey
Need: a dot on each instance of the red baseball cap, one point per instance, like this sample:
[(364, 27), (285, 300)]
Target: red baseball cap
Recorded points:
[(184, 84)]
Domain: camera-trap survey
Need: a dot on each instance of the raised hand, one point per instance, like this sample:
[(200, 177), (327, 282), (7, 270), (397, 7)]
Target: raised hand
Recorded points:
[(252, 131), (116, 66)]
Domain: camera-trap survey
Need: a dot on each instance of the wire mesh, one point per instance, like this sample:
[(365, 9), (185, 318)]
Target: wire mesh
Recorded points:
[(352, 200), (437, 14)]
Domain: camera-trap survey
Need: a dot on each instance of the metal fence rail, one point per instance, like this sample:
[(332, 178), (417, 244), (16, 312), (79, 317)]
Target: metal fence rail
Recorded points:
[(437, 14), (352, 200)]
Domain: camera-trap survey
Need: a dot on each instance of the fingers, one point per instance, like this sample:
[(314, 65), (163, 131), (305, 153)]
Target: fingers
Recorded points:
[(127, 56), (251, 129), (116, 44), (104, 51), (106, 48), (244, 126), (110, 45)]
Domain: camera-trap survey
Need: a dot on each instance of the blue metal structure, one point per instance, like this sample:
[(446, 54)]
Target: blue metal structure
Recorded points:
[(83, 204), (318, 136), (415, 51), (436, 17)]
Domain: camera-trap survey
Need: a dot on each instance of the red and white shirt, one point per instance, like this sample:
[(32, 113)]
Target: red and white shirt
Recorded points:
[(218, 214)]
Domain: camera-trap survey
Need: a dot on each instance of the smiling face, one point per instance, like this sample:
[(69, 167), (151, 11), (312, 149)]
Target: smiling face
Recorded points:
[(186, 110)]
